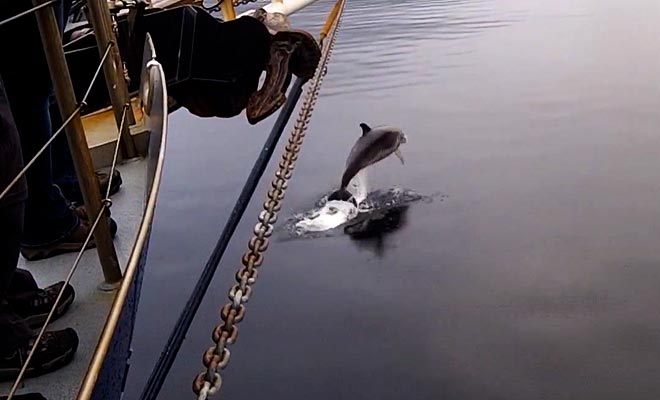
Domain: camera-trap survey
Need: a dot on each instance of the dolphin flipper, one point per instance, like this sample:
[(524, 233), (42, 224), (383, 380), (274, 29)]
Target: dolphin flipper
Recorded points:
[(398, 153)]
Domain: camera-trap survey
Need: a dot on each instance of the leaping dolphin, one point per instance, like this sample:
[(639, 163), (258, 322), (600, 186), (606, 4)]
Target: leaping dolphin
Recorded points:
[(373, 146)]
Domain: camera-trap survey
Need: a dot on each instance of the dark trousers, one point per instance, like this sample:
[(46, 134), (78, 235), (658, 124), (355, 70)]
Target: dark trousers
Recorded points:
[(23, 67), (13, 332), (64, 171)]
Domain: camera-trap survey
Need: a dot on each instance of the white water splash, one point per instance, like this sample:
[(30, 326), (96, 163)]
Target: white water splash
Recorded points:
[(331, 215), (380, 206), (335, 212), (358, 186)]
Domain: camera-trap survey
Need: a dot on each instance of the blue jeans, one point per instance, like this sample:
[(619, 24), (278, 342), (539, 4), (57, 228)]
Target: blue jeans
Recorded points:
[(64, 171), (24, 70)]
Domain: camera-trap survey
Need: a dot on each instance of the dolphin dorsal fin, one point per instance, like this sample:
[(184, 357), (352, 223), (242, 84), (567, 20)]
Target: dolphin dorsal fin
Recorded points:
[(365, 128)]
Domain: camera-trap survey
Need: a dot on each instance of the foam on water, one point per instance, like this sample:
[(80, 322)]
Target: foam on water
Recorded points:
[(358, 186), (328, 215), (331, 215), (334, 213)]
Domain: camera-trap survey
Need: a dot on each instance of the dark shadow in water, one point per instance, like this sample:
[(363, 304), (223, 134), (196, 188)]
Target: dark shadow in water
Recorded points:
[(370, 230)]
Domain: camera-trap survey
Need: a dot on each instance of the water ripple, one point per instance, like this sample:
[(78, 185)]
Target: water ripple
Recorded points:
[(408, 44)]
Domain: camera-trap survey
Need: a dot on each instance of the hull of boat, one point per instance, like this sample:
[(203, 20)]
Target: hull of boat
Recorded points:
[(108, 369), (113, 373)]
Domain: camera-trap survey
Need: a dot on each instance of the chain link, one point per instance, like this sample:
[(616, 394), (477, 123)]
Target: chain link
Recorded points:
[(216, 6), (216, 358), (242, 2), (236, 3)]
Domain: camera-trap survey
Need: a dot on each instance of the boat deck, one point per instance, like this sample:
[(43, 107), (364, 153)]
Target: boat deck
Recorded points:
[(89, 310), (101, 133)]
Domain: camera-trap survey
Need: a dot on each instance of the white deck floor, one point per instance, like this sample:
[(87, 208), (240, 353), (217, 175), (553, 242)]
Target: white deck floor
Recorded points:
[(88, 312)]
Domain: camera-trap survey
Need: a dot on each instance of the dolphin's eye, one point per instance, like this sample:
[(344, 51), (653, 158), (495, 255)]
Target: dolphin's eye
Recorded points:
[(332, 210)]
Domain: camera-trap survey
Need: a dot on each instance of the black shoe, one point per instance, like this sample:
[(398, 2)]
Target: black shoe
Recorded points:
[(81, 212), (74, 194), (56, 350), (26, 396), (104, 180), (34, 306), (72, 243)]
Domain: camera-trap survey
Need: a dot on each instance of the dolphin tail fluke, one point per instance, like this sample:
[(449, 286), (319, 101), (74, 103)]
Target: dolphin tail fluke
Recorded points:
[(400, 155), (340, 195)]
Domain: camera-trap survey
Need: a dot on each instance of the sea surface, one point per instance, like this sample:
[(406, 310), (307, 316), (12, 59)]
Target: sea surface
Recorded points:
[(533, 274)]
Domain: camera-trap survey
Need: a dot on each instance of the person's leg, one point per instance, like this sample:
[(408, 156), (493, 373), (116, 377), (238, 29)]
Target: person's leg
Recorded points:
[(48, 218), (64, 172), (51, 226), (13, 332), (22, 303), (57, 347), (28, 89), (21, 282)]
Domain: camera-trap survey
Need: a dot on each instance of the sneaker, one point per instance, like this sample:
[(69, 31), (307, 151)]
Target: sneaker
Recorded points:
[(104, 180), (26, 396), (74, 194), (56, 350), (34, 306), (70, 244), (81, 212)]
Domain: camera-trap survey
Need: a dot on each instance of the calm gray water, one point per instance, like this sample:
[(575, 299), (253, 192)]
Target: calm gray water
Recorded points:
[(537, 277)]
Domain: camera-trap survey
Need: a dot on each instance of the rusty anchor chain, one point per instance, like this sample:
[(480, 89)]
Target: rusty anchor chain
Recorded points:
[(217, 357), (237, 3), (242, 2)]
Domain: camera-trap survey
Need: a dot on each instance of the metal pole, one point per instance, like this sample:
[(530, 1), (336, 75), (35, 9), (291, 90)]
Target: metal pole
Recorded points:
[(99, 17), (82, 159), (228, 11)]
